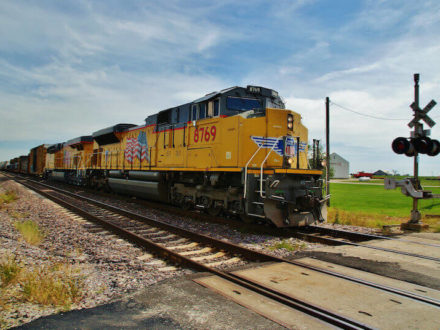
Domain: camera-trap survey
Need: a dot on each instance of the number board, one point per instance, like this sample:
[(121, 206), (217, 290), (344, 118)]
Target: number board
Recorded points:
[(205, 134)]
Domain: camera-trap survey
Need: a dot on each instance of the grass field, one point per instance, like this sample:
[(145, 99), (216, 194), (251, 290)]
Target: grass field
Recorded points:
[(375, 199), (362, 201), (425, 181)]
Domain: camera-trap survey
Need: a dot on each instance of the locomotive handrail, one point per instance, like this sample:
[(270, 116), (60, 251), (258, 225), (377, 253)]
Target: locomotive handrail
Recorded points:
[(262, 164), (245, 171), (247, 164), (78, 164)]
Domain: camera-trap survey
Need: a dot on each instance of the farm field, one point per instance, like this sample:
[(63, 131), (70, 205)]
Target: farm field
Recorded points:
[(373, 206), (425, 181)]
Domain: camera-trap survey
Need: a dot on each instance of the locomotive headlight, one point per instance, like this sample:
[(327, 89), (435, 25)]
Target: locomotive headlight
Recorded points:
[(290, 160), (290, 122)]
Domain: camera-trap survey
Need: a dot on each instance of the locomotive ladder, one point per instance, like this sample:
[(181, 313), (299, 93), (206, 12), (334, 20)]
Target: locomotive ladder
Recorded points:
[(261, 179), (261, 169)]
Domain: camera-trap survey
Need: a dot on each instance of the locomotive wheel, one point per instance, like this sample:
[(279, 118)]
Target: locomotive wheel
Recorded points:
[(214, 210), (246, 219), (187, 205), (106, 188), (93, 182)]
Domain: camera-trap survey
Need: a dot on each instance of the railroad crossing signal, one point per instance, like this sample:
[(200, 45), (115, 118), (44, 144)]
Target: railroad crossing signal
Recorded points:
[(422, 145), (418, 143), (421, 114)]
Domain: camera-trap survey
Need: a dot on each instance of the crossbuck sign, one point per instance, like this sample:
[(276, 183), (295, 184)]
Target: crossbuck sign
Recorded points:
[(422, 114)]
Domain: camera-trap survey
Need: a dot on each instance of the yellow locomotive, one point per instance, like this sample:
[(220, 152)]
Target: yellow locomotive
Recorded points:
[(237, 151)]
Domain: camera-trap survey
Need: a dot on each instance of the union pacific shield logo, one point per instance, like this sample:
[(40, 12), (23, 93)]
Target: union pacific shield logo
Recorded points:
[(268, 143), (279, 148)]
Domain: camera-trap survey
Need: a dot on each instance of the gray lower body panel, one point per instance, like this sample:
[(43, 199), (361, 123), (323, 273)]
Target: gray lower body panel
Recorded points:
[(145, 189)]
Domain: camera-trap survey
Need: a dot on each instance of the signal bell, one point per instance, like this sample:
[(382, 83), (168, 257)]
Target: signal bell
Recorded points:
[(423, 145)]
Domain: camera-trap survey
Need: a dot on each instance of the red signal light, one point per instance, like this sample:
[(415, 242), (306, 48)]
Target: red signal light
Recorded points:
[(423, 145), (402, 145), (435, 150)]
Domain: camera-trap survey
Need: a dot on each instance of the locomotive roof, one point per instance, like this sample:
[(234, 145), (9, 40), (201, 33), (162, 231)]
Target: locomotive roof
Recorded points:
[(41, 145), (55, 147), (81, 139), (118, 128), (107, 135), (255, 90), (207, 97), (257, 97)]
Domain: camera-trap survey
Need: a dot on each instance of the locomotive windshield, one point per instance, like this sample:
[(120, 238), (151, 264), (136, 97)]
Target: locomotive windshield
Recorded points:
[(242, 104)]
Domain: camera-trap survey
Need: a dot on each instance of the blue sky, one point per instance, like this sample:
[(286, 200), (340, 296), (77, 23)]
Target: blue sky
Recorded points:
[(68, 68)]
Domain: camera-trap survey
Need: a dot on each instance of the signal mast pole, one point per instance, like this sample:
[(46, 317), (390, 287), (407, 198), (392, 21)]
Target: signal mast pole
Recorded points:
[(418, 131), (327, 147), (418, 143)]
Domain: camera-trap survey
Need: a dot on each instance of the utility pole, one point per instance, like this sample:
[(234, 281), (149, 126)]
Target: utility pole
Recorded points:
[(327, 147)]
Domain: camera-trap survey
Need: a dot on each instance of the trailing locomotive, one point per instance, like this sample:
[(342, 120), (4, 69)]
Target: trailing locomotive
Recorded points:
[(237, 151)]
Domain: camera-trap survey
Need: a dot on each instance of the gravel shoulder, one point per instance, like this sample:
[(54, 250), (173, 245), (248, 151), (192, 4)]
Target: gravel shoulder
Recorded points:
[(109, 267), (113, 270)]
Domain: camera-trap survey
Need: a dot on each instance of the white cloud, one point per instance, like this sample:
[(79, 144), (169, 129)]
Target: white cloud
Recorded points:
[(67, 73), (379, 84), (82, 84)]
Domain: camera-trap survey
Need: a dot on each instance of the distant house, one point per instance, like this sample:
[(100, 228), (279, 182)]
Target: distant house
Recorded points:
[(380, 173), (340, 166)]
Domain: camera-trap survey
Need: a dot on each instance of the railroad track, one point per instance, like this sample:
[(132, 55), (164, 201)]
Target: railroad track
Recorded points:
[(332, 236), (312, 234), (355, 236), (203, 253)]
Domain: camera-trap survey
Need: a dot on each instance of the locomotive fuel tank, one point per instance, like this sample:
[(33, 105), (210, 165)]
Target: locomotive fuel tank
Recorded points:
[(145, 189)]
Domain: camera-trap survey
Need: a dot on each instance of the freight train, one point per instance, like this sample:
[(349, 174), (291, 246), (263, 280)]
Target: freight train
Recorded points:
[(234, 152)]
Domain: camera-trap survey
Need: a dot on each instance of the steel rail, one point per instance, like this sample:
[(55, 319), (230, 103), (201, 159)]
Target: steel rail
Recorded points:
[(363, 236), (333, 241), (237, 249), (308, 308)]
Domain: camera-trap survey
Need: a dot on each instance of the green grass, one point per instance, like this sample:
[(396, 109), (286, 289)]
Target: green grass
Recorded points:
[(8, 197), (30, 231), (423, 180), (9, 270), (376, 200), (58, 285), (284, 244)]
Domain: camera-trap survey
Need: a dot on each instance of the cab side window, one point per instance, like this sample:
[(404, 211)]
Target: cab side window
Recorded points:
[(216, 108), (194, 111), (202, 112)]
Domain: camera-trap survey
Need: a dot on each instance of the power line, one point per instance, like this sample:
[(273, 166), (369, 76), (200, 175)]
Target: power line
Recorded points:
[(365, 115)]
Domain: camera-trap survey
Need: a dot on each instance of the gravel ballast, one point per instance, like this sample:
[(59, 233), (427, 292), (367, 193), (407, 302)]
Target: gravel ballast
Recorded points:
[(110, 266)]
